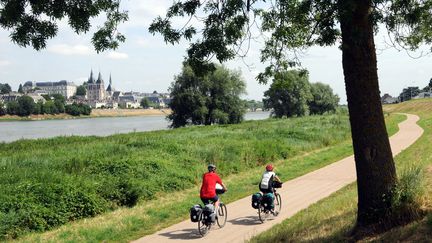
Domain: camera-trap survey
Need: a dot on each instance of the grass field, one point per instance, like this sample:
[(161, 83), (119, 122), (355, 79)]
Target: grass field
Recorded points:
[(302, 145), (331, 219)]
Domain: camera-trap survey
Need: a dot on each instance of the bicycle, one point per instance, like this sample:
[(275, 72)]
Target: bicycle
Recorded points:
[(205, 223), (263, 209)]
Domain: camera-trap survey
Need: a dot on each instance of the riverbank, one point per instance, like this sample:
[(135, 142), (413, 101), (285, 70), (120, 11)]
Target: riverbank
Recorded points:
[(94, 114)]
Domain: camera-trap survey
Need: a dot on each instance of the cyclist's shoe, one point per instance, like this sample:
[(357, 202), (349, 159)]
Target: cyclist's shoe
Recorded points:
[(275, 213)]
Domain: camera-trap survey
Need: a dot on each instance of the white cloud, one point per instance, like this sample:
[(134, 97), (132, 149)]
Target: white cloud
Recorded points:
[(117, 55), (64, 49), (4, 62)]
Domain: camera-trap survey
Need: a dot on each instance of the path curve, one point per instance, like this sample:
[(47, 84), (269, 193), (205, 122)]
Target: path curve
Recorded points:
[(297, 194)]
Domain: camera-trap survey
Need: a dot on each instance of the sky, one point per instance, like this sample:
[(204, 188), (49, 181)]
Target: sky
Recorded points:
[(145, 63)]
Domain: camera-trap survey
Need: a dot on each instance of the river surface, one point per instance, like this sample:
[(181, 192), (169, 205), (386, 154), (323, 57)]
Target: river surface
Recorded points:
[(15, 130)]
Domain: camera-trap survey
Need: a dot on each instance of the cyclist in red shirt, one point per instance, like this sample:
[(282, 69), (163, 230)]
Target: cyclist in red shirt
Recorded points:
[(208, 187)]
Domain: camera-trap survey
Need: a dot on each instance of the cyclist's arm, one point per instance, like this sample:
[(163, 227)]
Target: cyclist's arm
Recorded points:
[(277, 179), (221, 183)]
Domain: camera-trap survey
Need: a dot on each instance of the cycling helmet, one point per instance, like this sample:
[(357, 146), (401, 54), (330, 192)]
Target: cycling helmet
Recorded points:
[(211, 167), (269, 167)]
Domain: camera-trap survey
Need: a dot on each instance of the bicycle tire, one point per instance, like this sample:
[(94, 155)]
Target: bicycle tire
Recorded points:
[(262, 215), (222, 215), (203, 228), (278, 204)]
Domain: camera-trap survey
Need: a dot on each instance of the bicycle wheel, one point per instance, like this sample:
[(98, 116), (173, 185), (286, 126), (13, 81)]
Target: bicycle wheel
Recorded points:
[(277, 204), (262, 213), (222, 215), (203, 229)]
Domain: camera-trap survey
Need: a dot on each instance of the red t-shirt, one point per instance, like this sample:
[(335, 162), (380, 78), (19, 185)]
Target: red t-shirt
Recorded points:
[(208, 187)]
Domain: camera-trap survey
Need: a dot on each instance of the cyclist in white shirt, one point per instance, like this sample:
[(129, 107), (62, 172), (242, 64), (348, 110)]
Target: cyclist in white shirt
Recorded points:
[(266, 184)]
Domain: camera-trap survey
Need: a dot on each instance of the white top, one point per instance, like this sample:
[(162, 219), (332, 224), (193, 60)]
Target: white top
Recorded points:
[(266, 178)]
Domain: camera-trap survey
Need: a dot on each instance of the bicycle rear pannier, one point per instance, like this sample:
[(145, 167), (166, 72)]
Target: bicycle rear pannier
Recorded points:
[(256, 199), (195, 212), (277, 184), (209, 214), (267, 201)]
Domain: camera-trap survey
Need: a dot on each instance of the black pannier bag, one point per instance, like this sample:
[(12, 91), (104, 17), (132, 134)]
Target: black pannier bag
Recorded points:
[(277, 184), (195, 212), (267, 201), (209, 214), (256, 199)]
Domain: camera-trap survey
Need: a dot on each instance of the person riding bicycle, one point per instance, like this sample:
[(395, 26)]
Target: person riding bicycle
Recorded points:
[(266, 184), (208, 188)]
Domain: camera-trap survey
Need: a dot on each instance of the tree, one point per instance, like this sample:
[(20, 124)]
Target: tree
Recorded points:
[(295, 25), (32, 23), (212, 98), (2, 109), (38, 109), (5, 88), (26, 105), (81, 90), (145, 103), (409, 93), (20, 89), (50, 108), (323, 100), (12, 108), (289, 94)]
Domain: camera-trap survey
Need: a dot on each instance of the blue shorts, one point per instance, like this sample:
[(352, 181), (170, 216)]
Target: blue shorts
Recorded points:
[(210, 200)]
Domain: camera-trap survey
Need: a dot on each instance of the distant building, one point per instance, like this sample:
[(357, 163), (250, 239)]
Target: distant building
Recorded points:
[(12, 96), (423, 95), (388, 99), (63, 87), (95, 88)]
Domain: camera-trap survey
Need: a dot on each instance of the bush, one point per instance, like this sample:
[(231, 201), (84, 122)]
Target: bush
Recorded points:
[(2, 109), (12, 108)]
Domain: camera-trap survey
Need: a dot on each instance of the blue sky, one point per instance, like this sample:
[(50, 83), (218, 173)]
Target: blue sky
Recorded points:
[(145, 63)]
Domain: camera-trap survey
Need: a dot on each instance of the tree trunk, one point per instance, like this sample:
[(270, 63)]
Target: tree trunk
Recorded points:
[(376, 173)]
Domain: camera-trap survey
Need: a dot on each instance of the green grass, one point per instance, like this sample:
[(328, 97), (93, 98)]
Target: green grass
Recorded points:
[(148, 216), (49, 182), (331, 219)]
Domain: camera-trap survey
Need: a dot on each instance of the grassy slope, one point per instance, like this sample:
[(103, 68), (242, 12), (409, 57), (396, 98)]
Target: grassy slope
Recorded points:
[(131, 223), (331, 219), (47, 182)]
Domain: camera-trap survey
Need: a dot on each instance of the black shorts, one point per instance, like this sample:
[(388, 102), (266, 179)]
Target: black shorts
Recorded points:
[(210, 200), (269, 190)]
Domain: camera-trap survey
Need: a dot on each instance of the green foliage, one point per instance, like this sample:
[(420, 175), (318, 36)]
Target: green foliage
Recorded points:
[(209, 99), (409, 93), (40, 178), (12, 108), (5, 88), (323, 100), (38, 109), (32, 23), (26, 105), (50, 108), (2, 109), (289, 94), (78, 109), (145, 103), (20, 89), (81, 90)]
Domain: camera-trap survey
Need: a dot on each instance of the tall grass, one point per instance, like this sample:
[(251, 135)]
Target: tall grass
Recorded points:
[(49, 182)]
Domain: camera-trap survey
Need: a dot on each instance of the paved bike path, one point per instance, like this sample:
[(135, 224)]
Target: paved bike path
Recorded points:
[(297, 194)]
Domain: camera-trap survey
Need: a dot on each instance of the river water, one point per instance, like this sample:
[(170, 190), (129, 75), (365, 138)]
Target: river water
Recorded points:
[(15, 130)]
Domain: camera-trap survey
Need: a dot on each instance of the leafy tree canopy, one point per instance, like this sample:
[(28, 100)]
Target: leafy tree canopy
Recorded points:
[(409, 93), (289, 94), (81, 90), (32, 23), (323, 100), (209, 99), (26, 105), (293, 25), (5, 88)]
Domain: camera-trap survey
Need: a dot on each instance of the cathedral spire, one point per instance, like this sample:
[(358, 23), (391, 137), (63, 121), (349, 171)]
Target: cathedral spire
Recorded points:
[(99, 80), (91, 79)]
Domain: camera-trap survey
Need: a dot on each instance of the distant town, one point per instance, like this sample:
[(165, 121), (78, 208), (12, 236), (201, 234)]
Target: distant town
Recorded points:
[(93, 93)]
